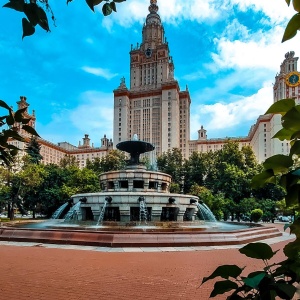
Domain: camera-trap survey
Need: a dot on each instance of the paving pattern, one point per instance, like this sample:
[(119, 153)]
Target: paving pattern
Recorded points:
[(39, 271)]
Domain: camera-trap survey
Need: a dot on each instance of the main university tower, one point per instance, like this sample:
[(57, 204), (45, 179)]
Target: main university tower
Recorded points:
[(153, 107)]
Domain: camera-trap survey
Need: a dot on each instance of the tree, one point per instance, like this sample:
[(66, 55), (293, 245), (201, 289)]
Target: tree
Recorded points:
[(36, 12), (231, 171), (31, 178), (33, 150), (196, 168), (171, 162), (114, 160), (68, 161), (80, 181)]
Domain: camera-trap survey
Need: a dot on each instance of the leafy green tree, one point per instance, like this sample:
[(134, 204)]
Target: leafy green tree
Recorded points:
[(31, 178), (68, 161), (171, 162), (81, 181), (214, 202), (33, 150), (196, 168), (114, 160)]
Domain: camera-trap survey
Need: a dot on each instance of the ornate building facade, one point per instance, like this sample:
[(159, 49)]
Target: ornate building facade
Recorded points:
[(53, 153), (153, 107)]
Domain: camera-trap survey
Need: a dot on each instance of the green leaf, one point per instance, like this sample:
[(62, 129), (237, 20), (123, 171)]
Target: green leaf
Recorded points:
[(16, 5), (254, 281), (295, 149), (258, 251), (295, 228), (288, 2), (292, 27), (26, 121), (28, 29), (10, 120), (12, 147), (224, 271), (42, 19), (31, 12), (222, 287), (13, 134), (296, 135), (259, 180), (113, 6), (30, 130), (288, 290), (278, 163), (90, 3), (292, 196), (106, 9), (290, 119), (284, 134), (296, 5), (4, 105), (19, 113), (281, 106)]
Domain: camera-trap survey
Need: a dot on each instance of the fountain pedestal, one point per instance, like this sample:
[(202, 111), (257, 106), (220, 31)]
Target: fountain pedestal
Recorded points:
[(125, 214)]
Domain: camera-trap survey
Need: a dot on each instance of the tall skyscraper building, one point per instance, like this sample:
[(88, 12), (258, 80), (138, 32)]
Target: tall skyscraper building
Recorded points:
[(153, 107)]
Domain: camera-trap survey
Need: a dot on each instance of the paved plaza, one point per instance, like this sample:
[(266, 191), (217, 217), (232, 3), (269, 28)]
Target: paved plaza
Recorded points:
[(39, 271)]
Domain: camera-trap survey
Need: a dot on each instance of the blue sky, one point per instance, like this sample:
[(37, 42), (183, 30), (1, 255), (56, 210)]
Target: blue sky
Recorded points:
[(227, 52)]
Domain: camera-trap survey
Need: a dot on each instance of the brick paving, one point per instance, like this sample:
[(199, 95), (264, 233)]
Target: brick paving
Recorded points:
[(38, 272)]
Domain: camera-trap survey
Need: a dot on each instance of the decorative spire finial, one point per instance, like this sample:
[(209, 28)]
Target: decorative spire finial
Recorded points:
[(153, 8)]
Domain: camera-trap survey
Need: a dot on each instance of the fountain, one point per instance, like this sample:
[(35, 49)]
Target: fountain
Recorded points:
[(57, 214), (118, 215), (204, 212)]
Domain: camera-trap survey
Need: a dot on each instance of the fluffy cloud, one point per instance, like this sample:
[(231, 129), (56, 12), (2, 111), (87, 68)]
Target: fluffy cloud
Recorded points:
[(223, 116), (100, 72)]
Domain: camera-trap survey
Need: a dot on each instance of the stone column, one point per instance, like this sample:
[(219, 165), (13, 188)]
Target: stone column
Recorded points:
[(125, 214), (156, 214), (181, 214)]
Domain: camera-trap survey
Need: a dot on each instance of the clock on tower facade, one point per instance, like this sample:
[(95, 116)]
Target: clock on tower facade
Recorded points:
[(153, 107), (287, 82)]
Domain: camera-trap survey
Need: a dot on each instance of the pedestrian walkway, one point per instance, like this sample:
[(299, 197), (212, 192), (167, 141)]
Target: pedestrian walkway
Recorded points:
[(43, 272)]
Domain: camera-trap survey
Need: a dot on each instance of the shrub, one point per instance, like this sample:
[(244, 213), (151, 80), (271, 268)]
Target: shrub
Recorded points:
[(256, 214)]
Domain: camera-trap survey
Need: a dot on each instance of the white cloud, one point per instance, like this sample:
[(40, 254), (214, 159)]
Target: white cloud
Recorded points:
[(223, 116), (259, 50), (96, 112), (100, 72), (170, 11), (277, 10)]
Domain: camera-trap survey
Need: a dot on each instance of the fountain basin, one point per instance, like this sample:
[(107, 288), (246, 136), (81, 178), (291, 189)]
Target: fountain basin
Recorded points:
[(137, 236)]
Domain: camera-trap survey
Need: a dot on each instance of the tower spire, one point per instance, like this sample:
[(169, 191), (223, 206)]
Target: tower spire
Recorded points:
[(153, 8)]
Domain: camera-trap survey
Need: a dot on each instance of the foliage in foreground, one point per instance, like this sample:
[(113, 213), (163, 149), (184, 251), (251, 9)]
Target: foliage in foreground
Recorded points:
[(275, 280), (9, 123), (36, 12), (280, 279)]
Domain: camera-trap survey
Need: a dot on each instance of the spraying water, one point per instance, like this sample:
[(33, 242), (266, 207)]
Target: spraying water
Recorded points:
[(102, 213), (205, 212), (143, 210), (59, 211), (72, 213)]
